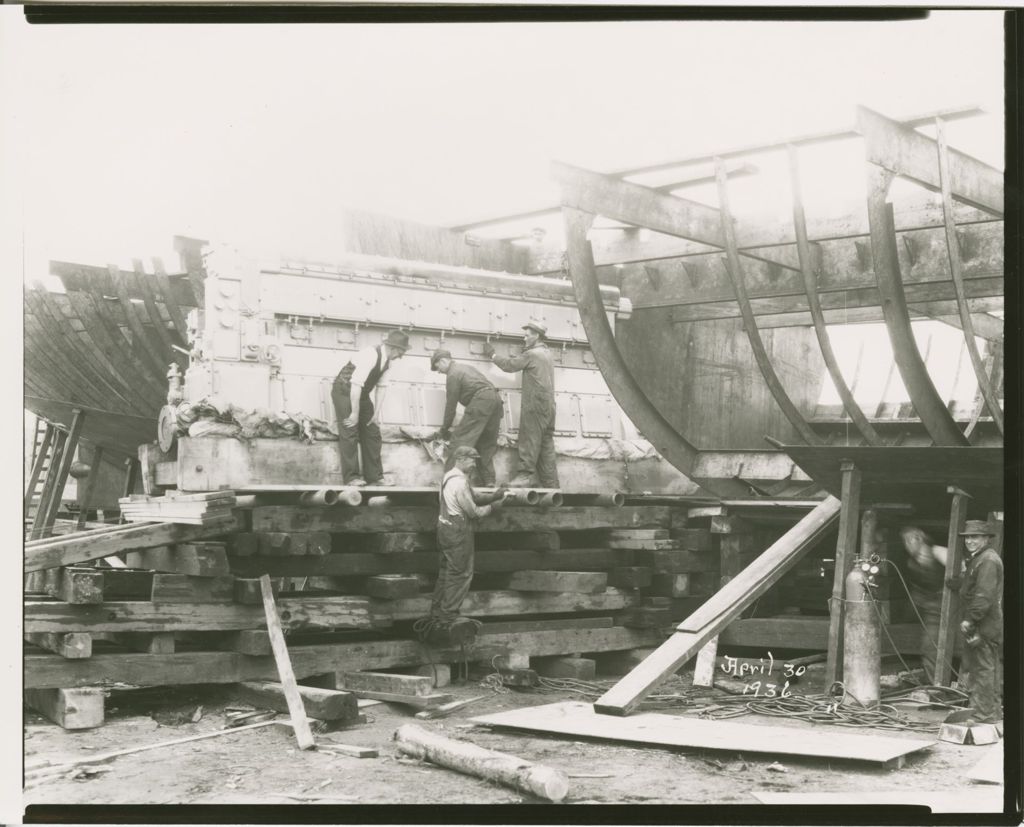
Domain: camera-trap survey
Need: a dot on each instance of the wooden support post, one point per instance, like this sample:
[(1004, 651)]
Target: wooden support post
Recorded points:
[(90, 485), (131, 477), (950, 598), (284, 668), (49, 484), (849, 521)]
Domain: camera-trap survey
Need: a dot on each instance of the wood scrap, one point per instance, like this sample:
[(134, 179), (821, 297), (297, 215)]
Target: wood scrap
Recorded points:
[(192, 509), (284, 668), (535, 779), (347, 749), (445, 710)]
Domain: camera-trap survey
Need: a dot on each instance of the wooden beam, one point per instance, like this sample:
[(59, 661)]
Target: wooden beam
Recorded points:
[(323, 704), (50, 671), (909, 154), (95, 545), (956, 270), (846, 548), (717, 612), (949, 609), (764, 362), (68, 708), (929, 406)]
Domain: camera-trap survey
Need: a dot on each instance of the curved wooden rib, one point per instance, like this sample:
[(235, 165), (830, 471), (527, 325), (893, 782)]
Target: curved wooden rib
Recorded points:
[(955, 269), (994, 372), (623, 385), (934, 414), (735, 271), (809, 267)]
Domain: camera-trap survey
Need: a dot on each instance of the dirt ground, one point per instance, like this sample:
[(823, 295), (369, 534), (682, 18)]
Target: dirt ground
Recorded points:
[(264, 766)]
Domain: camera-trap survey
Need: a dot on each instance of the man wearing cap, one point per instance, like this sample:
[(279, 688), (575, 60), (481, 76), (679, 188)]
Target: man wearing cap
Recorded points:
[(537, 413), (481, 415), (981, 599), (357, 415), (459, 507)]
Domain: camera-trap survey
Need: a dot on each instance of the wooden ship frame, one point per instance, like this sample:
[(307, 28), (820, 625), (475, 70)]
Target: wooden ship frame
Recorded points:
[(745, 544)]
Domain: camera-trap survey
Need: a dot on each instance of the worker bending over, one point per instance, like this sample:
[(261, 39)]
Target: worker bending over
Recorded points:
[(459, 507), (537, 413), (481, 415), (356, 412), (926, 571), (981, 607)]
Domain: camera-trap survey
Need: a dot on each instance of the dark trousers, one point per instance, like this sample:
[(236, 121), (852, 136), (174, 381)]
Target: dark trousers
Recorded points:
[(984, 680), (364, 434), (455, 568), (537, 442), (478, 428)]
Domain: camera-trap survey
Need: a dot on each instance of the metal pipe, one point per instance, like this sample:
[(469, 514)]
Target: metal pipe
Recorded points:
[(522, 496), (245, 500), (378, 502), (349, 496), (616, 499), (325, 496), (552, 499)]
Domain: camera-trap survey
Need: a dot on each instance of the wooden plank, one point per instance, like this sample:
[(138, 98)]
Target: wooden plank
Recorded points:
[(638, 534), (504, 627), (580, 719), (704, 671), (324, 704), (526, 540), (282, 543), (68, 708), (65, 644), (81, 585), (949, 608), (303, 736), (499, 603), (417, 701), (392, 586), (363, 682), (422, 518), (559, 581), (355, 564), (50, 671), (184, 588), (846, 546), (718, 611), (195, 559), (910, 154), (341, 612), (254, 642), (86, 546), (630, 577), (677, 562)]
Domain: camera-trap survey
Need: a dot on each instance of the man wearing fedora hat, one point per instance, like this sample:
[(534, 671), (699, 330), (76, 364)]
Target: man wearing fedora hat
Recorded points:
[(981, 609), (536, 442), (482, 411), (353, 394)]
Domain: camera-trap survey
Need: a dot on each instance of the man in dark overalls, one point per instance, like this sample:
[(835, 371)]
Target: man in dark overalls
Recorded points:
[(537, 414), (459, 507), (481, 415), (357, 416), (926, 573), (981, 609)]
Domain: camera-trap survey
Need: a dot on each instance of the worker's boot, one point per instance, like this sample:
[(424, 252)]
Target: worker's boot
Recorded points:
[(462, 631), (522, 481)]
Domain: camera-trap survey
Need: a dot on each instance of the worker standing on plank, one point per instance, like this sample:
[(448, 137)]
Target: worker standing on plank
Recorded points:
[(459, 507), (926, 573), (481, 415), (981, 607), (357, 412), (537, 414)]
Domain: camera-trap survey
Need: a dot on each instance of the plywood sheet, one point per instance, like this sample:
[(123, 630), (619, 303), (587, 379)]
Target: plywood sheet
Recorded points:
[(579, 719)]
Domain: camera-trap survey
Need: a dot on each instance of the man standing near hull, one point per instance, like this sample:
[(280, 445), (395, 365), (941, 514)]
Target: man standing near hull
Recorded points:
[(536, 444), (353, 395), (481, 415), (981, 599)]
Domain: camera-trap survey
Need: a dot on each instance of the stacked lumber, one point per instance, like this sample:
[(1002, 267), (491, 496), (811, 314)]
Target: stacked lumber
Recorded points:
[(187, 509)]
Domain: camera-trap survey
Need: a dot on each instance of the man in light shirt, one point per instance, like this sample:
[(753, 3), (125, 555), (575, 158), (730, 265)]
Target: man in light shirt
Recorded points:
[(459, 507), (353, 393)]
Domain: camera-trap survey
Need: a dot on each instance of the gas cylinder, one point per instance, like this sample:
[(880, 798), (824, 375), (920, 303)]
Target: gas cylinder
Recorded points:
[(862, 641)]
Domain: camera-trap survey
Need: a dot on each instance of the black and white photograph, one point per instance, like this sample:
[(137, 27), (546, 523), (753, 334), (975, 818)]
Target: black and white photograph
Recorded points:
[(539, 410)]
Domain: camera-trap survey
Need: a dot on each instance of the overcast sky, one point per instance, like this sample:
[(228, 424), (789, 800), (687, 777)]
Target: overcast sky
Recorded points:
[(260, 135)]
